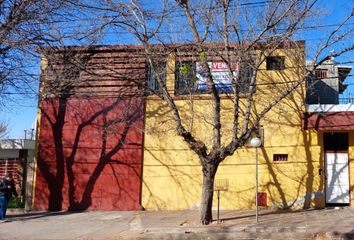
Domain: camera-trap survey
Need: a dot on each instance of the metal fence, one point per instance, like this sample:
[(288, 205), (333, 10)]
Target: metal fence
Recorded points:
[(347, 100)]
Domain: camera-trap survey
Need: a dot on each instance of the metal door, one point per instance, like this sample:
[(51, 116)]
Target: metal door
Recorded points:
[(337, 178)]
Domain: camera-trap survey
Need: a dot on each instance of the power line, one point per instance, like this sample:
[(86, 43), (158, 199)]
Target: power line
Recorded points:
[(100, 18), (249, 4), (91, 24)]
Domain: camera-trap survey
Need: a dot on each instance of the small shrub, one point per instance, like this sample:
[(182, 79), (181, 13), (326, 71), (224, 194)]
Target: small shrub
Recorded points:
[(16, 202)]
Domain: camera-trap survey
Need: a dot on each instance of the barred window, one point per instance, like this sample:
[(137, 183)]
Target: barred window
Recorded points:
[(320, 73), (186, 77), (158, 70), (246, 72)]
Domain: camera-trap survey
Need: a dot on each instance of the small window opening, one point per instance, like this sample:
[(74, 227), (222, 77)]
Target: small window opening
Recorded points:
[(321, 73), (280, 157), (275, 63)]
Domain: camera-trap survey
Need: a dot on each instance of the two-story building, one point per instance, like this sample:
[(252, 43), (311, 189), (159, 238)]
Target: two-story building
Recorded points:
[(105, 143)]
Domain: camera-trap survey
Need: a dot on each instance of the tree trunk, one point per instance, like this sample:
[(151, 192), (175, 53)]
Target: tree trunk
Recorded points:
[(206, 215)]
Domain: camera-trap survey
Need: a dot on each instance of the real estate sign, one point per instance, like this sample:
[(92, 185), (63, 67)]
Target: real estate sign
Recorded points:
[(220, 74)]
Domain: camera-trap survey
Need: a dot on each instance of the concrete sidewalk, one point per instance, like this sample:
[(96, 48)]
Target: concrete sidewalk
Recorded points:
[(309, 224)]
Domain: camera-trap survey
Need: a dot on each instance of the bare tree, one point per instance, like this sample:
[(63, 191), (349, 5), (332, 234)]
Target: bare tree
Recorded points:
[(25, 26), (230, 32)]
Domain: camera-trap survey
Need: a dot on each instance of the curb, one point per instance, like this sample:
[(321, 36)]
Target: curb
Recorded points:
[(15, 211), (245, 228), (276, 229), (224, 235)]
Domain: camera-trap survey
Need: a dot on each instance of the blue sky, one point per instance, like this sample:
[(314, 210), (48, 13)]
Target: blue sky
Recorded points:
[(20, 114)]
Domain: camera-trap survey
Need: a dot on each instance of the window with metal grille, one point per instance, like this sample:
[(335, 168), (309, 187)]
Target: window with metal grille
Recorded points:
[(186, 77), (10, 165), (155, 72), (321, 73), (280, 157), (246, 73)]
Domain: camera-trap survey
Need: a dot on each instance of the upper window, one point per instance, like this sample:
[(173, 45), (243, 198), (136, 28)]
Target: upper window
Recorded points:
[(320, 73), (275, 63), (186, 77), (246, 74), (155, 72)]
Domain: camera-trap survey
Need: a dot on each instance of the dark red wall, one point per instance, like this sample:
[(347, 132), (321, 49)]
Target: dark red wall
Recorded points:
[(90, 154)]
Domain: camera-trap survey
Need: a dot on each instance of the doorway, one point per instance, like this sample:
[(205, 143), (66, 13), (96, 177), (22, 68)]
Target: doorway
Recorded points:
[(336, 168)]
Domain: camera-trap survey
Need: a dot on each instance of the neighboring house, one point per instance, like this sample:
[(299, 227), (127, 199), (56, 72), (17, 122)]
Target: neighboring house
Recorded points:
[(326, 82), (105, 143), (16, 157), (333, 119)]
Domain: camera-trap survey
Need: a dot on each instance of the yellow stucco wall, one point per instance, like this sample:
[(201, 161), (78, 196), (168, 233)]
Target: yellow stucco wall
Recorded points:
[(172, 174), (351, 165)]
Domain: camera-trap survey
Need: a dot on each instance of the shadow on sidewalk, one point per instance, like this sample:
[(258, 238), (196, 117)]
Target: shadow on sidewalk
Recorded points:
[(344, 236), (268, 213), (36, 215)]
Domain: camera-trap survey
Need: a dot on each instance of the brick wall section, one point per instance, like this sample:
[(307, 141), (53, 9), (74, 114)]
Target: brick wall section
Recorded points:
[(91, 132)]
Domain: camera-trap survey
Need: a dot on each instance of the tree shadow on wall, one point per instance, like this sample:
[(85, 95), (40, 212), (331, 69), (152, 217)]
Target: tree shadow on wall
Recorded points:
[(294, 182), (183, 178), (89, 135), (166, 174)]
